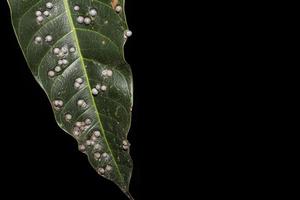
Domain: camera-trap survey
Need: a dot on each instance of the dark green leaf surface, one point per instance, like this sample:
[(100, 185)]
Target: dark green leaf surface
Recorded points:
[(81, 67)]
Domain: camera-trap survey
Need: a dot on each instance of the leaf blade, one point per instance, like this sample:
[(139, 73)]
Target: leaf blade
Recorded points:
[(111, 113)]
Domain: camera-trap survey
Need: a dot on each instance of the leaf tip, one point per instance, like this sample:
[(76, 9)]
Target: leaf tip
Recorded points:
[(129, 195)]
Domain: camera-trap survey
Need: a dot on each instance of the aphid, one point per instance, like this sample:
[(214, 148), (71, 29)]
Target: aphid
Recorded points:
[(72, 49), (58, 103), (51, 73), (93, 12), (80, 19), (105, 155), (48, 38), (97, 146), (79, 80), (109, 73), (49, 5), (65, 62), (60, 62), (97, 133), (81, 147), (108, 168), (97, 155), (46, 13), (77, 85), (103, 87), (81, 103), (118, 8), (56, 51), (68, 117), (38, 13), (61, 54), (39, 18), (64, 50), (88, 142), (93, 138), (78, 124), (37, 39), (125, 145), (88, 121), (95, 91), (128, 33), (98, 87), (57, 68), (76, 8), (87, 20), (125, 148), (104, 72), (101, 171), (76, 131), (125, 142)]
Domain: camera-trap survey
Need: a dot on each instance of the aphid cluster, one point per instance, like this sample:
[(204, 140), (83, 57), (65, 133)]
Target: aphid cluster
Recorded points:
[(62, 54), (80, 129), (87, 19), (41, 15)]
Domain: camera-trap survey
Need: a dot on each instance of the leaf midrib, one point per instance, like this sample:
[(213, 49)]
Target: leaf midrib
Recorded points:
[(75, 37)]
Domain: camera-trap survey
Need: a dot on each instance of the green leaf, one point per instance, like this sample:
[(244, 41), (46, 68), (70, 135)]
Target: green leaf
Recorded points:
[(75, 50)]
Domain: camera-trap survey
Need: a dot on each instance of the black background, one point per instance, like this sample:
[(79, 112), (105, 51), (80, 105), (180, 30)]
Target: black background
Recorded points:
[(199, 105), (37, 156)]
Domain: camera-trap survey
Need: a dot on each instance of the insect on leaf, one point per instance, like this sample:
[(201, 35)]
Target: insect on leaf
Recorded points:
[(75, 50)]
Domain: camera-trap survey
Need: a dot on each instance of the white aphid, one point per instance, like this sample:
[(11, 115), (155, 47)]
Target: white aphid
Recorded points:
[(72, 49), (128, 33), (104, 72), (109, 72), (77, 85), (56, 51), (37, 39), (101, 171), (80, 19), (125, 142), (79, 80), (97, 133), (40, 18), (49, 5), (65, 62), (76, 131), (81, 147), (78, 124), (60, 62), (95, 91), (38, 13), (98, 87), (81, 103), (103, 87), (88, 121), (64, 50), (87, 20), (60, 54), (46, 13), (108, 168), (97, 146), (51, 73), (57, 68), (105, 155), (118, 8), (76, 8), (97, 155), (68, 117), (93, 12), (48, 38)]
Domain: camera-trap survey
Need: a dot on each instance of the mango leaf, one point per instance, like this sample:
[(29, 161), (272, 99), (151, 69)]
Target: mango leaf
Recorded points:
[(75, 50)]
